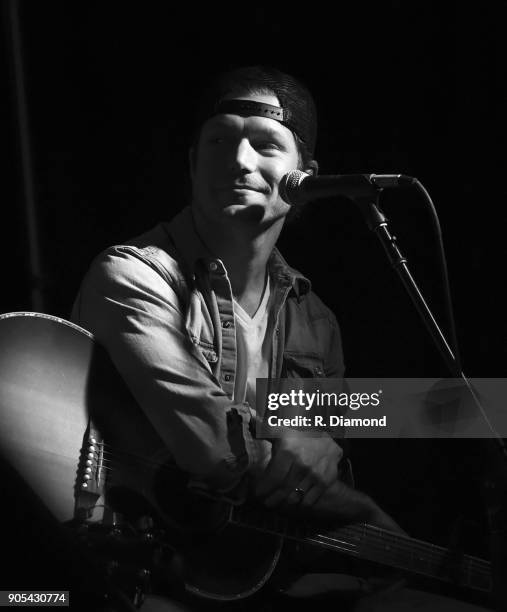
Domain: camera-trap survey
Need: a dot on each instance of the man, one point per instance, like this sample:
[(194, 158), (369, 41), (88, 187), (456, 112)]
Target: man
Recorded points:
[(195, 310)]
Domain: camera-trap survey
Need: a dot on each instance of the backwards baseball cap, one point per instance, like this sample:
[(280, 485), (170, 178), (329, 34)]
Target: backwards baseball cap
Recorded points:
[(296, 111)]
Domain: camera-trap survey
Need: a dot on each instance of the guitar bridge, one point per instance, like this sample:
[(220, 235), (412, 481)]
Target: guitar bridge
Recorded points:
[(90, 484)]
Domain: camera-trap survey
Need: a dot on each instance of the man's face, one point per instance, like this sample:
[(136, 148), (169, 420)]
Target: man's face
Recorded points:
[(238, 164)]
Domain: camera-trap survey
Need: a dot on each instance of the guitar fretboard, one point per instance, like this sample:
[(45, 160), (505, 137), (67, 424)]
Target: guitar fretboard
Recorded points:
[(372, 543)]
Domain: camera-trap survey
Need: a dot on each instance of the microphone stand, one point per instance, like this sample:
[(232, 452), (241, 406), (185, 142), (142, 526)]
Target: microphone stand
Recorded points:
[(495, 486), (377, 222)]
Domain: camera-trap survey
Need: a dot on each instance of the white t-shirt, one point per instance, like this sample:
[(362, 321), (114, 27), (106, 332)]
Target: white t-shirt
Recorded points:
[(252, 348)]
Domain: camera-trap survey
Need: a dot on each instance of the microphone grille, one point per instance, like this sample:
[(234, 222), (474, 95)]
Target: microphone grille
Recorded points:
[(289, 184)]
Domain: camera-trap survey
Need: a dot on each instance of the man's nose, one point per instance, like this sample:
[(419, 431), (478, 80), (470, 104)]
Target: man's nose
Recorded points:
[(244, 156)]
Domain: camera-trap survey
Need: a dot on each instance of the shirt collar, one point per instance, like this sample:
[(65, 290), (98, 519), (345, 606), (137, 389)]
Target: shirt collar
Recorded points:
[(283, 274), (192, 249)]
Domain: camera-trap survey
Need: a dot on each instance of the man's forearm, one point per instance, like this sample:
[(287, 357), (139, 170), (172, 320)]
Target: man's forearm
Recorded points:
[(342, 502)]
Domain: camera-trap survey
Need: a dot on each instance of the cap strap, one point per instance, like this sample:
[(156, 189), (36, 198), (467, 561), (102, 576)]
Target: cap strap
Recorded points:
[(251, 107), (247, 108)]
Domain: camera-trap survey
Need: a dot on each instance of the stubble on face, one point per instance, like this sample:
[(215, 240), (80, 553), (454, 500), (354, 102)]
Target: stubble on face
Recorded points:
[(237, 167)]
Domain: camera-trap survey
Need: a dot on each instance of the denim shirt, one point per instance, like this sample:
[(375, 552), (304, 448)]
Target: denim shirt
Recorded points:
[(162, 306)]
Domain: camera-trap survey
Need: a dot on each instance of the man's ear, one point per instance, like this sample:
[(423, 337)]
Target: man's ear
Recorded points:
[(312, 168)]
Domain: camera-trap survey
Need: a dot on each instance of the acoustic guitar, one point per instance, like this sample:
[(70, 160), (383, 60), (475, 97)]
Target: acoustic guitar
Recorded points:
[(73, 432)]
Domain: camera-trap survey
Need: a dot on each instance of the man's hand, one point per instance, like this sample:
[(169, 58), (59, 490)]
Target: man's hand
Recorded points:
[(310, 465), (342, 503), (300, 470)]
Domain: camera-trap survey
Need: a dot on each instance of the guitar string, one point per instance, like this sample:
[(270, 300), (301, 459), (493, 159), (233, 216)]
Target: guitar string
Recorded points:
[(432, 572), (431, 553), (115, 452), (396, 537), (341, 547), (377, 540), (397, 543), (442, 558), (379, 553)]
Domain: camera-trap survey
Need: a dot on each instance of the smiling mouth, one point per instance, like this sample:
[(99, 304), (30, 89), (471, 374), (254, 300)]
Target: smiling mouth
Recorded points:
[(241, 188), (238, 187)]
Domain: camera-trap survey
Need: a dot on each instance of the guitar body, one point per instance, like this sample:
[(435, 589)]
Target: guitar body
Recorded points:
[(44, 365), (56, 382), (73, 432)]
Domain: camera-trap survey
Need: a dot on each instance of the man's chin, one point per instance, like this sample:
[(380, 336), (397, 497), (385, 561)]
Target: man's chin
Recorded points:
[(245, 211)]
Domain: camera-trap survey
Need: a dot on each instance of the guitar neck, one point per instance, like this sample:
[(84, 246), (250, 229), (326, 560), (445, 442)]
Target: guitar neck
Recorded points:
[(371, 543)]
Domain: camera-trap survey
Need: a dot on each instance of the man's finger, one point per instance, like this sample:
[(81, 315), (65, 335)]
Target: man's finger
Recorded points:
[(281, 492)]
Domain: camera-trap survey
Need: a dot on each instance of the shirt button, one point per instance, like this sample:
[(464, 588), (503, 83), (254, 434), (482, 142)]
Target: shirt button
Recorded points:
[(228, 377), (226, 324), (213, 266)]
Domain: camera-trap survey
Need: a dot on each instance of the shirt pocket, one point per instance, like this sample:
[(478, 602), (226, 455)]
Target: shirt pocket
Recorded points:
[(302, 365), (208, 351)]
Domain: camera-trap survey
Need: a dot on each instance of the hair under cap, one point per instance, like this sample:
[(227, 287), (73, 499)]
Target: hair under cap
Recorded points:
[(298, 110)]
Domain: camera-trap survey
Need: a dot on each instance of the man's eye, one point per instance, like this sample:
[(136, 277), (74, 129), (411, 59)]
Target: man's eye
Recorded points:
[(266, 144), (216, 140)]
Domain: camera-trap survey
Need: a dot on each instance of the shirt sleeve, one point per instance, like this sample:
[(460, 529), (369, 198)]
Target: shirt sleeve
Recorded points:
[(137, 316)]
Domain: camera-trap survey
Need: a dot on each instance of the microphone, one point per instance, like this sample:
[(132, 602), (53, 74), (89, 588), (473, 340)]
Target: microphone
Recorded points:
[(298, 187)]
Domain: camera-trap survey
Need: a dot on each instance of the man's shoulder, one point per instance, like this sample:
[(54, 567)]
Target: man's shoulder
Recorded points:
[(150, 251), (154, 248)]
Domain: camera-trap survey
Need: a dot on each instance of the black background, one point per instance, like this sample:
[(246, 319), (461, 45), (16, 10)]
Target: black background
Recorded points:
[(412, 87)]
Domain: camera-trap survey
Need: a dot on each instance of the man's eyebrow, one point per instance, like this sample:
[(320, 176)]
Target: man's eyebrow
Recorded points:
[(270, 131), (264, 130)]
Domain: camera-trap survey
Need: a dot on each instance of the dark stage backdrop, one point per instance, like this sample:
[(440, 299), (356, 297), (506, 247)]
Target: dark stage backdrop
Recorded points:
[(412, 87)]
